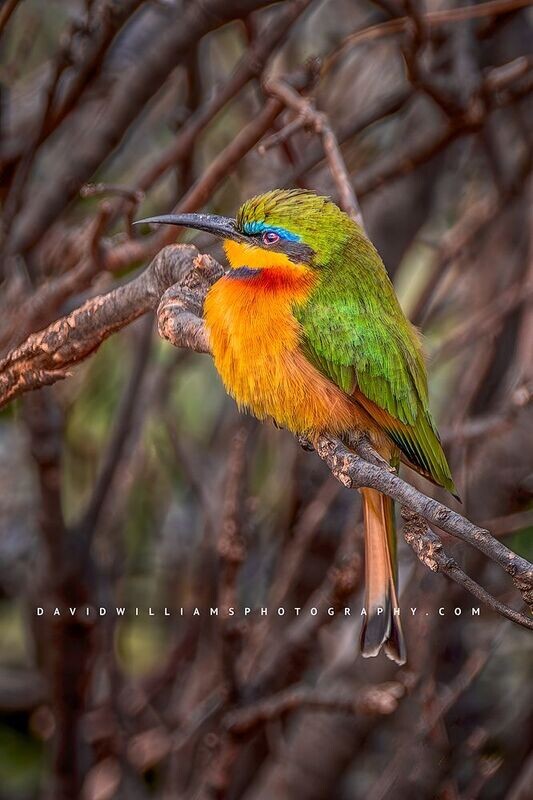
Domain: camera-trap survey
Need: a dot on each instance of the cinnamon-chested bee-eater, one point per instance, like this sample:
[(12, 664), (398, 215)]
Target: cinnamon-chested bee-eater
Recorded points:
[(305, 328)]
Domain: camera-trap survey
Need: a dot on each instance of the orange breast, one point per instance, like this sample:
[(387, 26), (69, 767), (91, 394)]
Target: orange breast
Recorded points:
[(255, 337)]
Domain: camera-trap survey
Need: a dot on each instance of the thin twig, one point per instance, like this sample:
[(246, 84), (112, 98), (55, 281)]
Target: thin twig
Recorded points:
[(5, 13), (99, 189), (379, 699), (353, 472), (431, 20), (429, 549), (281, 136), (251, 65), (322, 127), (48, 298)]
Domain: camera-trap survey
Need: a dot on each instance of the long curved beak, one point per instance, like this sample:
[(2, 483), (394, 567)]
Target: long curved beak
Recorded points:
[(223, 227)]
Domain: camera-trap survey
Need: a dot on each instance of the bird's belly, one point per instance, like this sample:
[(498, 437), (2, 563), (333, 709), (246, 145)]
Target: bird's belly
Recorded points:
[(255, 345)]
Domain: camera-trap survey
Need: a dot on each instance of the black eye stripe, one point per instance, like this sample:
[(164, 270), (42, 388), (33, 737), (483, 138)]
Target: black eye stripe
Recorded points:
[(298, 252)]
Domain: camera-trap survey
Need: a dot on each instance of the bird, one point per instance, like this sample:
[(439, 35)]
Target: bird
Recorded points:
[(305, 328)]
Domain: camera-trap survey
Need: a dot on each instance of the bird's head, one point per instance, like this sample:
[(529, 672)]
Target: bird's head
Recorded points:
[(286, 227)]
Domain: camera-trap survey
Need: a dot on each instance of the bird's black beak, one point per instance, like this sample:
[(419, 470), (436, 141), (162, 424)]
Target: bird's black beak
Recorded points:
[(223, 227)]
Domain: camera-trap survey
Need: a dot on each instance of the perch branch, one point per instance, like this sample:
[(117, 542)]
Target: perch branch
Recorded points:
[(428, 547), (354, 472), (49, 355)]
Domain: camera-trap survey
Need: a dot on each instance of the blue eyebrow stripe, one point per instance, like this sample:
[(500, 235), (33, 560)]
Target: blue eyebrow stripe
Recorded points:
[(259, 227)]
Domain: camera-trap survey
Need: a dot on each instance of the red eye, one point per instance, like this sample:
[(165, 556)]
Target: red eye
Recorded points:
[(269, 237)]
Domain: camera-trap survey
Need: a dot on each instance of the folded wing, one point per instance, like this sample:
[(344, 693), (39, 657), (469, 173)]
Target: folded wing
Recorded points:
[(375, 356)]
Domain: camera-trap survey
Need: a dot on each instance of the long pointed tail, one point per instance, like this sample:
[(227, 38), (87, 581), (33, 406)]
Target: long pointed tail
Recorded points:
[(381, 626)]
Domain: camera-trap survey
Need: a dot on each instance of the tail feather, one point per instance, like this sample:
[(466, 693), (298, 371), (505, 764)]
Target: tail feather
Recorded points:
[(381, 626)]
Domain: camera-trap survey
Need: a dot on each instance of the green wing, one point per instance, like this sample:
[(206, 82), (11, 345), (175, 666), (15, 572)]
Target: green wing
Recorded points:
[(361, 340)]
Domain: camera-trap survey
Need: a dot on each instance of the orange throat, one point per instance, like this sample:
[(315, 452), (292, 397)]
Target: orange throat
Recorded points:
[(255, 340)]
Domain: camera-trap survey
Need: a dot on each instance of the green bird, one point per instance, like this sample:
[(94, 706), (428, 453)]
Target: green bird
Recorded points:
[(305, 328)]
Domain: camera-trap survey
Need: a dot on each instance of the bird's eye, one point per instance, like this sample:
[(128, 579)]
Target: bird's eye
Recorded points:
[(269, 237)]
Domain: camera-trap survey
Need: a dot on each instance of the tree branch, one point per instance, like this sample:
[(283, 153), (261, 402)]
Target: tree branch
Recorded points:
[(428, 547), (354, 472), (47, 356), (433, 20), (380, 699), (320, 123)]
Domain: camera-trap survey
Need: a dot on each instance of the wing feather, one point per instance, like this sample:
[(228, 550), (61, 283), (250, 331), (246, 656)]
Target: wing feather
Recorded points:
[(377, 357)]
